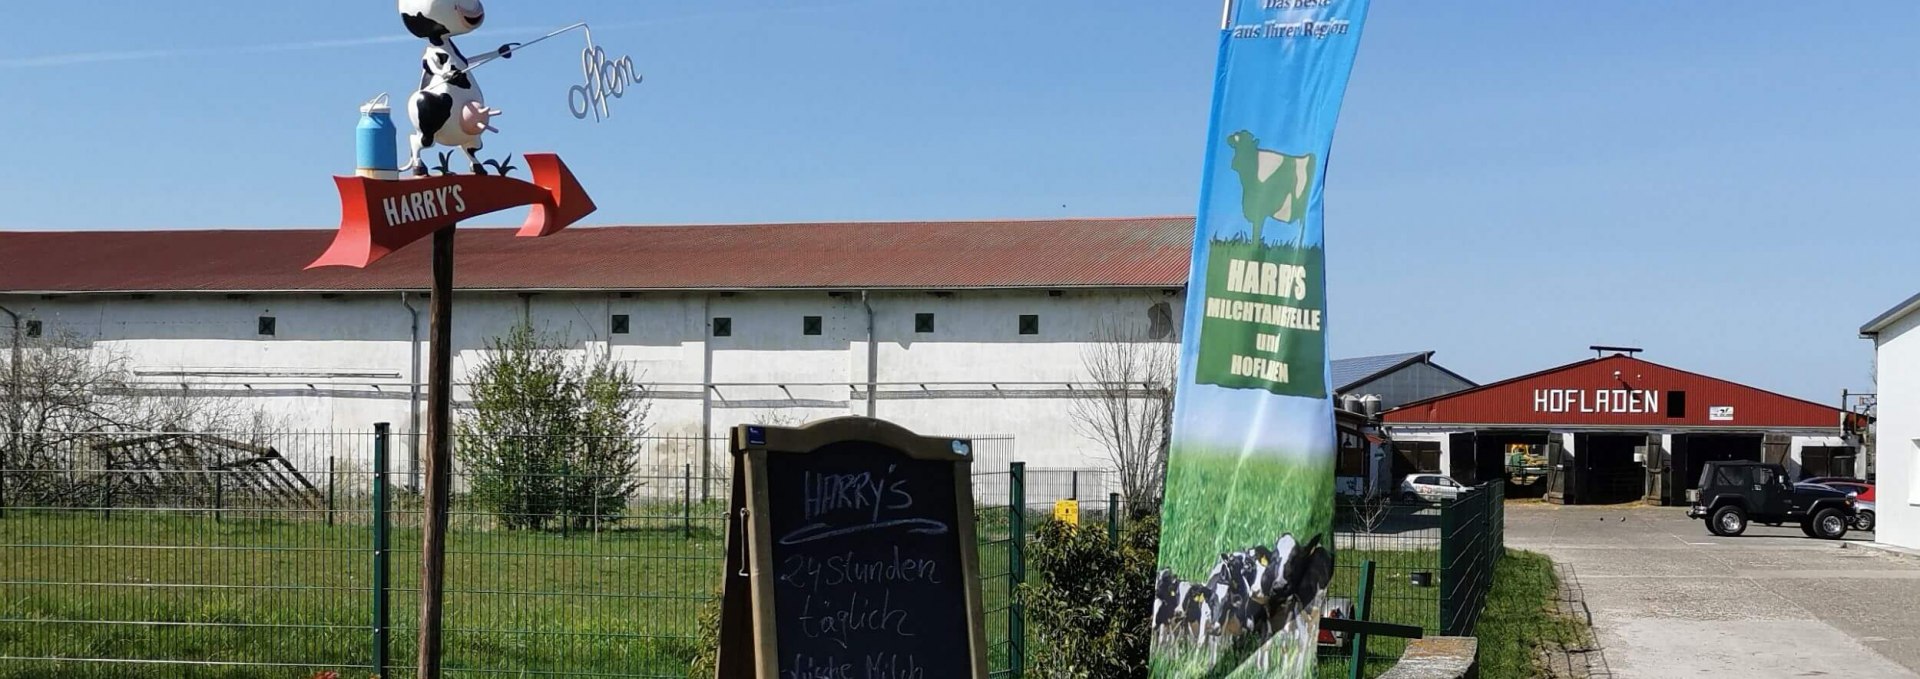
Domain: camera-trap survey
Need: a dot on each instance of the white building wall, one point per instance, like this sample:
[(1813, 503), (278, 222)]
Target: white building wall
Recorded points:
[(340, 363), (1897, 434)]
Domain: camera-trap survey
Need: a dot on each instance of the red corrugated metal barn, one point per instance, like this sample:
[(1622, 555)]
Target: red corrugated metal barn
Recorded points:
[(1616, 428)]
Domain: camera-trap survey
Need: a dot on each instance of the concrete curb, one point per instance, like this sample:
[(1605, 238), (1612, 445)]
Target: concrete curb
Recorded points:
[(1894, 550), (1437, 658)]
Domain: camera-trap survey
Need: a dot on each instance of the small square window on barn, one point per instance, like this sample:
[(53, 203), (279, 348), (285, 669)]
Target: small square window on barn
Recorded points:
[(1029, 324), (723, 327), (621, 324), (810, 325), (33, 329), (923, 322), (1676, 404), (267, 326)]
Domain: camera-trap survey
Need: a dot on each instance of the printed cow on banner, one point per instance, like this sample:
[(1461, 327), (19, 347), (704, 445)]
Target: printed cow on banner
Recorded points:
[(1252, 594)]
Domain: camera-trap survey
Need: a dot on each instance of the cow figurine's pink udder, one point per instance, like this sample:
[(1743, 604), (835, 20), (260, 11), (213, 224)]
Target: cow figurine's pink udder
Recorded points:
[(475, 117)]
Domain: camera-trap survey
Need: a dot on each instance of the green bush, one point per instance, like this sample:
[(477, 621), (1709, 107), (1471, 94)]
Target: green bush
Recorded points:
[(706, 656), (550, 439), (1088, 605)]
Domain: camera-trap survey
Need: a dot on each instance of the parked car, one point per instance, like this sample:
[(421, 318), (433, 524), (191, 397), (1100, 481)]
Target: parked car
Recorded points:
[(1864, 510), (1735, 493), (1855, 486), (1429, 488)]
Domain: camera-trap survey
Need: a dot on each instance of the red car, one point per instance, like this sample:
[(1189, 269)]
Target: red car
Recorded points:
[(1867, 514), (1861, 488)]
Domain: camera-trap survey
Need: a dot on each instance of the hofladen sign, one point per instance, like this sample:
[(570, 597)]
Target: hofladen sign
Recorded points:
[(1632, 401)]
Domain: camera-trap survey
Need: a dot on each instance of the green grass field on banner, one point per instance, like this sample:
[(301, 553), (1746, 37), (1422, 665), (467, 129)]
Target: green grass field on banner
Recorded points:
[(1219, 502), (1224, 502)]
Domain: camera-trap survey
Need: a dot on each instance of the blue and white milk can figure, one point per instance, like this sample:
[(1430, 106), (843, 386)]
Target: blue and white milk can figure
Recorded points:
[(376, 142)]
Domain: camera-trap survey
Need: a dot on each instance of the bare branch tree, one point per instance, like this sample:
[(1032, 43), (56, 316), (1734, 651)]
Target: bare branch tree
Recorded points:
[(1370, 511), (1129, 409), (66, 393)]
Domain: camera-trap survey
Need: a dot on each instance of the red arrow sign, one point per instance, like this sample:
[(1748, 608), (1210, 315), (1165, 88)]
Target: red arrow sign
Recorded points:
[(378, 216)]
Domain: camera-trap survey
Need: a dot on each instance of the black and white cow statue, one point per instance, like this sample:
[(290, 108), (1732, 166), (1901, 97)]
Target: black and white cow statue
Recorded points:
[(448, 108)]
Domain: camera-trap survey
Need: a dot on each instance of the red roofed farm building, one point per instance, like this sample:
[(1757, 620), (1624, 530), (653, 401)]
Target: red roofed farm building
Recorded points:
[(1616, 428)]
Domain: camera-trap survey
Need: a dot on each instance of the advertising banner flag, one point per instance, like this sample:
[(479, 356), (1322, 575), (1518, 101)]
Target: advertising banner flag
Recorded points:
[(1247, 550)]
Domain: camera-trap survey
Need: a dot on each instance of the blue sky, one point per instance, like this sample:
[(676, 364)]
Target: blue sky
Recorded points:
[(1728, 184)]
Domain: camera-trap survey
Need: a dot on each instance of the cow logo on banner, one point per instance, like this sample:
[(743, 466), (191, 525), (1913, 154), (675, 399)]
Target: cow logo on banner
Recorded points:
[(1246, 552)]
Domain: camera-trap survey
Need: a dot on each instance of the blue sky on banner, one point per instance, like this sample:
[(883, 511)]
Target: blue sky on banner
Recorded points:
[(1725, 183), (1281, 80)]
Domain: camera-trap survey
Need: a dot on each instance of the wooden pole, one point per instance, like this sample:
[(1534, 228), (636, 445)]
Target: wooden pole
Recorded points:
[(433, 548)]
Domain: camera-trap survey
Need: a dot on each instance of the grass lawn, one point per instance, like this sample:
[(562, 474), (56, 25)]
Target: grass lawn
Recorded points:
[(1519, 618), (1395, 600), (256, 592), (284, 599)]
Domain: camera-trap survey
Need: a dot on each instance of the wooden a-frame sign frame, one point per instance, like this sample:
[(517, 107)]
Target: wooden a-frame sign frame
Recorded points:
[(749, 645)]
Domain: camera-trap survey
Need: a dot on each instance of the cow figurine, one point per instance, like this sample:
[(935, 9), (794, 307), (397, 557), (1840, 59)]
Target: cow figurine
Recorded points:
[(448, 108)]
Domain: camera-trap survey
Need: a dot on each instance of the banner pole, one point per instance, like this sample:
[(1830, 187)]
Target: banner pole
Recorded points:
[(1226, 14)]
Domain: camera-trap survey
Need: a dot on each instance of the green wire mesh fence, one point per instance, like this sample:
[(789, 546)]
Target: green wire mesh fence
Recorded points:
[(197, 555), (182, 555)]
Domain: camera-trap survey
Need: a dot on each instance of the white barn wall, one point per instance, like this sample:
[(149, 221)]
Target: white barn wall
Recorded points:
[(343, 362), (1897, 433)]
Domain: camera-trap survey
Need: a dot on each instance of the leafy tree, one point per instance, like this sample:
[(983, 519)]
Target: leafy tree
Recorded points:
[(551, 441)]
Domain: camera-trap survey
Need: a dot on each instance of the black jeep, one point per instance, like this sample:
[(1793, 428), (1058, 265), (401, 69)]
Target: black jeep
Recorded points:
[(1733, 493)]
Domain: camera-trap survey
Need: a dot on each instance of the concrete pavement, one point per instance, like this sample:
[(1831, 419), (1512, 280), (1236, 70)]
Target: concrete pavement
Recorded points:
[(1670, 599)]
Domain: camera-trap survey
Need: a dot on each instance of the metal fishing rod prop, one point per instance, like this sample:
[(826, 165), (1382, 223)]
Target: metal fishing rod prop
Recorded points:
[(448, 89), (386, 206)]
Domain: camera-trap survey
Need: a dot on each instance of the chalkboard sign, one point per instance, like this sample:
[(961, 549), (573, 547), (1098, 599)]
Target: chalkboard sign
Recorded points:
[(851, 555)]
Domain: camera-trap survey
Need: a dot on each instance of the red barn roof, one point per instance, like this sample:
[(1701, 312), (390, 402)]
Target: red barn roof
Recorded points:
[(1618, 392), (1057, 253)]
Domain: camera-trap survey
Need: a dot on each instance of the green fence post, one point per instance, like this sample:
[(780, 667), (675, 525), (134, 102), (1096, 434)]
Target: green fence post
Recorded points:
[(106, 485), (686, 507), (219, 495), (1449, 570), (382, 627), (329, 490), (1016, 568), (1357, 667), (1113, 517), (1500, 524)]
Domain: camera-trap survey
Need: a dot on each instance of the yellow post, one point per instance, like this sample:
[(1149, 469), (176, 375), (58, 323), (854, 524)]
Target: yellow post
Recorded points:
[(1067, 511)]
